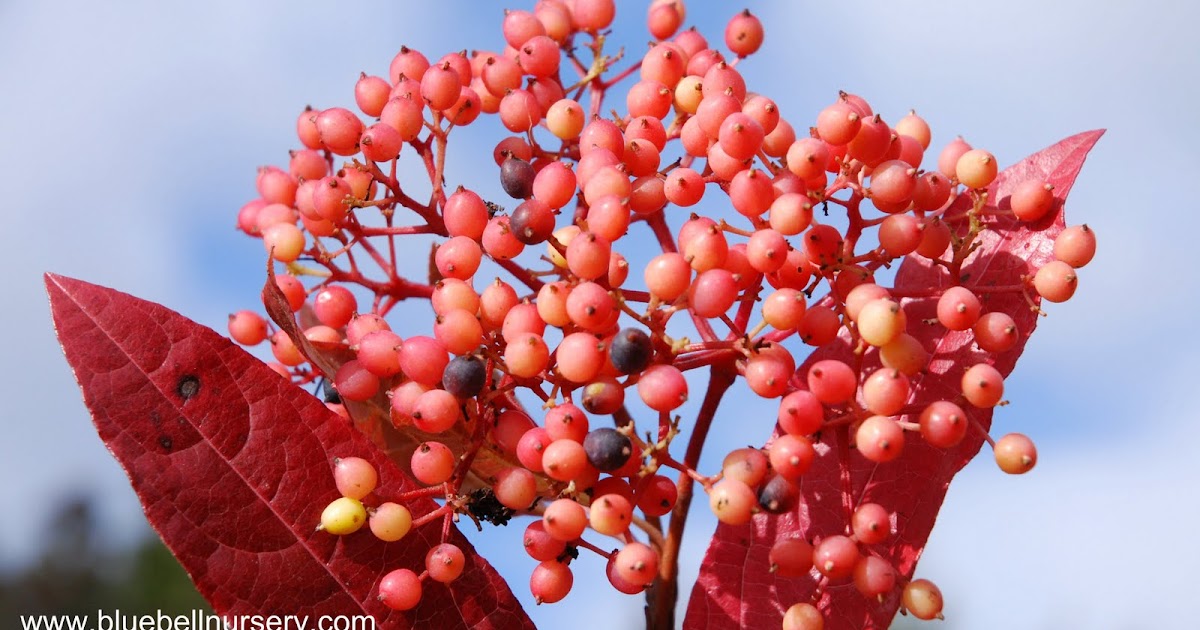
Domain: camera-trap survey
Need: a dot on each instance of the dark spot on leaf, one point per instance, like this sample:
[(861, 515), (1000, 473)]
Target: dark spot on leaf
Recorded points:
[(165, 442), (154, 417), (188, 387)]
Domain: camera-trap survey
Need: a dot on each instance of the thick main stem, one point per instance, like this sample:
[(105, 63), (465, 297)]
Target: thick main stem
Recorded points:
[(662, 595)]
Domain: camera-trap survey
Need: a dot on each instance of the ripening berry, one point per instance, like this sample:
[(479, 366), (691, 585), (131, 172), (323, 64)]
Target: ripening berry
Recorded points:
[(662, 387), (580, 356), (803, 616), (879, 439), (390, 522), (835, 557), (880, 321), (637, 563), (732, 501), (905, 353), (838, 123), (943, 424), (610, 514), (983, 385), (996, 332), (893, 182), (540, 545), (343, 516), (744, 34), (800, 413), (283, 241), (1032, 199), (564, 520), (885, 391), (1015, 453), (922, 599), (874, 576), (819, 326), (791, 456), (564, 460), (976, 168), (1075, 245), (948, 158), (247, 328), (832, 381), (746, 464), (550, 582), (432, 463), (355, 477), (445, 562), (435, 411), (515, 488), (958, 308), (656, 495), (400, 590), (355, 382), (871, 523), (1056, 281)]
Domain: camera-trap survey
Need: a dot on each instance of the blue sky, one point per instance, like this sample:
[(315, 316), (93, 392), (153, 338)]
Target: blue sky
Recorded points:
[(132, 133)]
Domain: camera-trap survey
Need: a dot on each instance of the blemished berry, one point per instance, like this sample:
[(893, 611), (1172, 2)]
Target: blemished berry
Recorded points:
[(464, 376), (445, 562), (656, 495), (515, 488), (343, 516), (637, 563), (432, 463), (603, 397), (607, 449), (922, 599), (355, 477), (748, 465), (732, 501)]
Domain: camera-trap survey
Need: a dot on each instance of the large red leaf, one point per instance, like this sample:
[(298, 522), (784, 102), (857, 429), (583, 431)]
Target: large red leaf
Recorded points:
[(233, 466), (735, 588)]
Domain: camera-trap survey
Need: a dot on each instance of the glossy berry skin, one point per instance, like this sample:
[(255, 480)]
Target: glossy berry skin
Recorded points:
[(607, 449), (400, 590), (630, 351), (464, 376), (343, 516)]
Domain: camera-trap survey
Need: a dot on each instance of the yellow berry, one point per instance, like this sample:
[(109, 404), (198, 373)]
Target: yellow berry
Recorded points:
[(343, 516)]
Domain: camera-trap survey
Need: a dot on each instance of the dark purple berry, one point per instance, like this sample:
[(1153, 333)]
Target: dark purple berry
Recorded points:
[(607, 449), (631, 351), (532, 222), (777, 495), (464, 376), (516, 176)]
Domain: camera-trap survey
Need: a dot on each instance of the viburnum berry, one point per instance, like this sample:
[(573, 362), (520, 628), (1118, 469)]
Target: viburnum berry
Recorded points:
[(573, 324), (343, 516), (922, 599), (355, 477)]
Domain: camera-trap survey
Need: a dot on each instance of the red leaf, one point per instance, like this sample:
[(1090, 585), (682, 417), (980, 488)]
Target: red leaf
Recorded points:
[(735, 588), (233, 466)]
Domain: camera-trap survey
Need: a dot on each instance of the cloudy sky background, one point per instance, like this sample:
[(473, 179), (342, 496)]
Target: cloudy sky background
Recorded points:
[(131, 133)]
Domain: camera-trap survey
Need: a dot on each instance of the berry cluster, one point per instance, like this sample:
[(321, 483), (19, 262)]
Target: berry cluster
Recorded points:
[(539, 301)]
